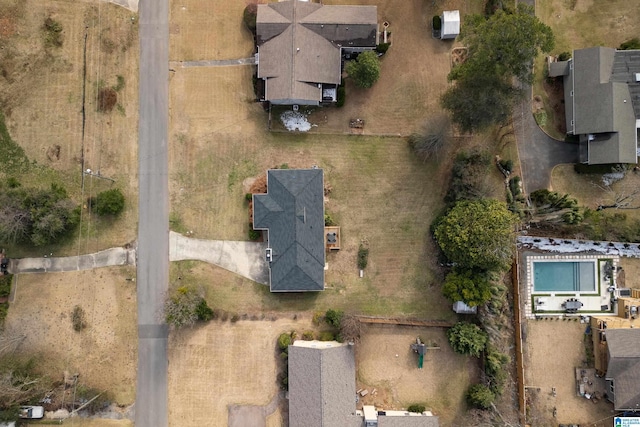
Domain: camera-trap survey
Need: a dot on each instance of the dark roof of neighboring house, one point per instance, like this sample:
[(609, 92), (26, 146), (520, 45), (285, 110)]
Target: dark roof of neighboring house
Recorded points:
[(322, 385), (299, 44), (603, 81), (624, 367), (399, 421), (293, 212)]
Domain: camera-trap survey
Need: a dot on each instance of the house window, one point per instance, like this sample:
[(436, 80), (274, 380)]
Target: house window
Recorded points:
[(611, 387), (571, 93)]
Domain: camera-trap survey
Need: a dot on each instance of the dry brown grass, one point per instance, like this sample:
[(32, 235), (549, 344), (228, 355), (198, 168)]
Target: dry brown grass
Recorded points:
[(105, 353), (591, 192), (554, 349), (221, 364), (200, 30), (42, 102), (385, 362)]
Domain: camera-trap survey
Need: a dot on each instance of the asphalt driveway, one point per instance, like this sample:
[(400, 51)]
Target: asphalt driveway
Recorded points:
[(538, 152)]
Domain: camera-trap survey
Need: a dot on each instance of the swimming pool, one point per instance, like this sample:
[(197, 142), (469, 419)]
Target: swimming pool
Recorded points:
[(564, 276)]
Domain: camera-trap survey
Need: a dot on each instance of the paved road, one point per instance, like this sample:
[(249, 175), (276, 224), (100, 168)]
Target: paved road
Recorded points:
[(538, 152), (153, 219)]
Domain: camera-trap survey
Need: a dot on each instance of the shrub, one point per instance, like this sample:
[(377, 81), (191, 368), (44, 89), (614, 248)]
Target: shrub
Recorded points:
[(110, 202), (328, 220), (350, 328), (52, 33), (342, 95), (308, 335), (564, 56), (203, 311), (417, 408), (78, 318), (12, 182), (480, 396), (334, 317), (234, 318), (5, 285), (249, 17), (437, 22), (363, 257), (284, 341), (467, 338), (248, 197), (254, 234), (507, 165), (631, 44), (514, 186), (318, 317), (326, 336), (365, 70), (383, 48)]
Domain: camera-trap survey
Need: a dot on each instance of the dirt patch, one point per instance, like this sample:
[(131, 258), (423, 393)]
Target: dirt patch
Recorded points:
[(385, 362), (554, 348), (105, 352)]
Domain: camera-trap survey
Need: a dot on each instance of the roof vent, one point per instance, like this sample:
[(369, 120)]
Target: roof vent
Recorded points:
[(297, 49)]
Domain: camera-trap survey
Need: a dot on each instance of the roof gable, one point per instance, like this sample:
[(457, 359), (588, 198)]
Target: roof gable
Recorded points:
[(299, 45), (603, 103), (293, 212), (322, 385), (624, 366)]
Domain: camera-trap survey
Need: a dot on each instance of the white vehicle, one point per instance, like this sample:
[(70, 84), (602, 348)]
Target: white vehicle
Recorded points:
[(31, 412)]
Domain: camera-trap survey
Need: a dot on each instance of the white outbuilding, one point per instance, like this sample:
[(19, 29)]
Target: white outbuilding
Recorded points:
[(450, 24)]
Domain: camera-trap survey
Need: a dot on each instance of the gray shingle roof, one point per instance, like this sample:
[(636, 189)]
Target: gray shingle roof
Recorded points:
[(299, 45), (602, 82), (322, 386), (293, 212), (624, 367)]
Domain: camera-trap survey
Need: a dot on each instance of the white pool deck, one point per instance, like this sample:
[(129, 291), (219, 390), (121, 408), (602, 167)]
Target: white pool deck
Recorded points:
[(546, 303)]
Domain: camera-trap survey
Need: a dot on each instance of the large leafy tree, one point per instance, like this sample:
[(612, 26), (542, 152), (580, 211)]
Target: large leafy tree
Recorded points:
[(467, 338), (35, 216), (477, 234), (472, 289), (365, 70), (504, 44), (500, 48), (476, 103)]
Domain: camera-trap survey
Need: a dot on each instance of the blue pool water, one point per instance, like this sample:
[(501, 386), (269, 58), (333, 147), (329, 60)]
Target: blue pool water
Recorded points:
[(564, 276)]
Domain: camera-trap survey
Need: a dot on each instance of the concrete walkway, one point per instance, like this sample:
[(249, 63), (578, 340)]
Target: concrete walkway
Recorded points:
[(246, 259), (106, 258), (243, 258), (212, 63)]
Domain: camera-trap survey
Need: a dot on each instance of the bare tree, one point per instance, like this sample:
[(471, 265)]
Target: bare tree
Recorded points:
[(350, 328), (432, 138), (623, 199)]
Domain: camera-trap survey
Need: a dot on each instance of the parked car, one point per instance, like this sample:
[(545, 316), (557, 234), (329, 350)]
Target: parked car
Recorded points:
[(31, 412)]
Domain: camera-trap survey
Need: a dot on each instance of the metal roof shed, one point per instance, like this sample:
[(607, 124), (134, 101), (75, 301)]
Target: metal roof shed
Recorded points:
[(461, 308), (450, 24)]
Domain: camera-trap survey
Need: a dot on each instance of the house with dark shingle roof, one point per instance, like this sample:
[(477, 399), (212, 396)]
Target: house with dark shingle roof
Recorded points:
[(291, 214), (623, 368), (602, 102), (300, 47), (322, 391)]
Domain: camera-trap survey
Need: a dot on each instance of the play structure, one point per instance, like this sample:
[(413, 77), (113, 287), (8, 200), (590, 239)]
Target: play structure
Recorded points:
[(421, 348)]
